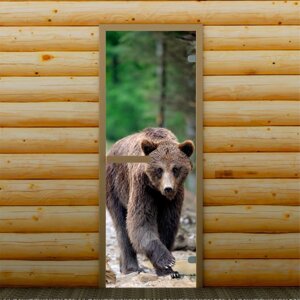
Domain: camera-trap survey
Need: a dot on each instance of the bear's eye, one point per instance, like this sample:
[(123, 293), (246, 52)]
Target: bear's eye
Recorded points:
[(159, 171), (175, 171)]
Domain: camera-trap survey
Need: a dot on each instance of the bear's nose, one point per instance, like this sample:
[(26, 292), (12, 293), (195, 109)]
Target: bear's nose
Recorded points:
[(168, 190)]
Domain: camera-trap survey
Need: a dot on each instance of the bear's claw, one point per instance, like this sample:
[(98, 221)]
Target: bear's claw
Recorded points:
[(175, 274), (168, 271)]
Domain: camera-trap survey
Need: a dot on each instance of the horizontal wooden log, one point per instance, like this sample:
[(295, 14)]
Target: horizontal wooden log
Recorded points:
[(85, 192), (85, 166), (249, 63), (216, 192), (49, 192), (251, 191), (217, 272), (251, 113), (52, 114), (260, 87), (60, 88), (80, 38), (252, 218), (43, 89), (236, 218), (252, 165), (252, 139), (251, 272), (51, 63), (49, 166), (251, 38), (85, 140), (94, 13), (49, 140), (17, 273), (216, 113), (67, 38), (77, 246), (86, 63), (251, 245), (31, 219), (49, 246)]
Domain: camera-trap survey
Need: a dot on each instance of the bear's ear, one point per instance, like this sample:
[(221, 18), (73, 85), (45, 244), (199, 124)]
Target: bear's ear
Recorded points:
[(187, 147), (148, 146)]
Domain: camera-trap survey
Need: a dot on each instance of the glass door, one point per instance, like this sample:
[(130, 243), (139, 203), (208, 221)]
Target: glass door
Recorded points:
[(150, 156)]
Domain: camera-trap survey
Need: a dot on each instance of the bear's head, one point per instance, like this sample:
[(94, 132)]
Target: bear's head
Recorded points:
[(169, 165)]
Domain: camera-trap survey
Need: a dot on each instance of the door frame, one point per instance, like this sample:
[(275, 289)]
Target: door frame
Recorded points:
[(103, 159)]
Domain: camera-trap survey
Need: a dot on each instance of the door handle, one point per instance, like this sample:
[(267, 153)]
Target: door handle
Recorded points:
[(127, 159)]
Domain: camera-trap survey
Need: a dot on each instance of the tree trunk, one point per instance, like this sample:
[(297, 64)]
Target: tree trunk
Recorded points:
[(161, 75)]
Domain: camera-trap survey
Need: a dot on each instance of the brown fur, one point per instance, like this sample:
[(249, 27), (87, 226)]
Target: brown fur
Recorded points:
[(145, 200)]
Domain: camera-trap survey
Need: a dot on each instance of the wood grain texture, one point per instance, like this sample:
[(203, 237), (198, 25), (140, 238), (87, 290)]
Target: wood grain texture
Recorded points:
[(139, 12), (33, 219), (85, 166), (235, 218), (81, 38), (43, 89), (251, 245), (217, 272), (85, 192), (256, 87), (216, 113), (252, 139), (50, 114), (252, 272), (252, 218), (72, 63), (251, 165), (85, 63), (251, 62), (251, 191), (18, 273), (224, 88), (48, 192), (49, 140), (85, 140), (49, 246), (252, 113), (49, 166), (82, 246), (40, 38), (37, 189), (251, 38)]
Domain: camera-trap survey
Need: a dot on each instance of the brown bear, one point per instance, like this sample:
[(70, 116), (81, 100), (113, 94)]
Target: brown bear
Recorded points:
[(145, 200)]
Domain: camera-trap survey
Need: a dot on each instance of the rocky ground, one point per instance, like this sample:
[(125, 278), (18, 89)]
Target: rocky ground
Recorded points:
[(184, 248)]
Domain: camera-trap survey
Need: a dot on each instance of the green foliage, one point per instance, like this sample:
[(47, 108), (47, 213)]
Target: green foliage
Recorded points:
[(133, 89), (128, 84)]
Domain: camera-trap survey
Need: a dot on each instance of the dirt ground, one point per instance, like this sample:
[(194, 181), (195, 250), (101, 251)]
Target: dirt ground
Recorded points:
[(184, 248)]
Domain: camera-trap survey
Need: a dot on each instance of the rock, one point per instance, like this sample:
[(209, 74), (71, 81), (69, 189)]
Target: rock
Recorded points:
[(187, 220), (180, 242), (146, 277), (110, 276), (185, 241)]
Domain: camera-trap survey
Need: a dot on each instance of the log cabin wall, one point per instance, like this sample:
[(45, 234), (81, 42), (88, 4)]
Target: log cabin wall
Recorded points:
[(49, 138)]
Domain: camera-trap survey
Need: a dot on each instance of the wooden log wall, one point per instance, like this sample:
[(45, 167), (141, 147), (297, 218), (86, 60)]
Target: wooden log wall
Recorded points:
[(49, 138)]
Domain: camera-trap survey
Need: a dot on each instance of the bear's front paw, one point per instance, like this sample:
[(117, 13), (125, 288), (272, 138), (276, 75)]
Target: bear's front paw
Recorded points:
[(168, 271), (165, 261)]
